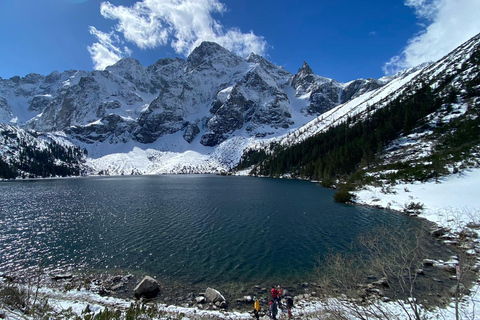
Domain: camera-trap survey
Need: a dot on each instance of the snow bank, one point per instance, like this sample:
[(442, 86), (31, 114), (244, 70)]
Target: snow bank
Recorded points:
[(451, 202)]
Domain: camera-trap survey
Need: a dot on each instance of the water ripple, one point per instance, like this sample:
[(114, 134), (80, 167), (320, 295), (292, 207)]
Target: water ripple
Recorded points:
[(197, 228)]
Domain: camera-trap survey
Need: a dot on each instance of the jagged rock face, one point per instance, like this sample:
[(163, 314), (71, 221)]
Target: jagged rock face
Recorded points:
[(112, 127), (324, 98), (359, 87), (191, 131), (304, 80), (210, 55), (213, 95), (254, 101), (327, 93), (5, 110)]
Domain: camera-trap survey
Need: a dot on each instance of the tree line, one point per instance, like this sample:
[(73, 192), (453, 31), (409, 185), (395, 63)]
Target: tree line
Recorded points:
[(54, 160)]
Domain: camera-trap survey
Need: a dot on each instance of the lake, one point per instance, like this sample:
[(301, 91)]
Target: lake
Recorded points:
[(199, 229)]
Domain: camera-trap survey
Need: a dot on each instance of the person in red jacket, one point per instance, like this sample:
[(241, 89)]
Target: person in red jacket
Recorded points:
[(279, 293), (274, 294)]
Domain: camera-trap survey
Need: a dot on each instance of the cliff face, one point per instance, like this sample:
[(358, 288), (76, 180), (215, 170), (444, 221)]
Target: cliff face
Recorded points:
[(209, 98)]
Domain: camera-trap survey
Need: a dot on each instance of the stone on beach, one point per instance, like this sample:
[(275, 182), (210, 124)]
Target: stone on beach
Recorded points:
[(215, 297), (148, 288)]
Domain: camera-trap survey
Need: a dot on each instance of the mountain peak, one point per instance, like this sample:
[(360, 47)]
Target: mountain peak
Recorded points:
[(305, 69), (126, 63), (255, 58), (208, 52)]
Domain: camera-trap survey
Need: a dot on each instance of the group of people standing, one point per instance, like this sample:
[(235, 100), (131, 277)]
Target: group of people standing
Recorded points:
[(275, 304)]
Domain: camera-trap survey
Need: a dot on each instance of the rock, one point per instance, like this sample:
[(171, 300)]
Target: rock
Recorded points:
[(147, 288), (381, 283), (221, 304), (438, 232), (199, 300), (420, 272), (117, 286), (447, 267), (61, 276), (214, 296), (429, 262)]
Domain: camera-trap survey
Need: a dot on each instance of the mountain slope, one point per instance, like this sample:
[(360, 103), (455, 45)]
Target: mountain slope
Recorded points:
[(436, 106), (27, 154), (174, 105)]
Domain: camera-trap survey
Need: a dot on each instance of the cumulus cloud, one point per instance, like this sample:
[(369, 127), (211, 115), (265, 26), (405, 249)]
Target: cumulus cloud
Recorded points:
[(181, 24), (449, 23)]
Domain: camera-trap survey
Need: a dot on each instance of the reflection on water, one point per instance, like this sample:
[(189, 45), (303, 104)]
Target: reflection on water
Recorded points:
[(198, 228)]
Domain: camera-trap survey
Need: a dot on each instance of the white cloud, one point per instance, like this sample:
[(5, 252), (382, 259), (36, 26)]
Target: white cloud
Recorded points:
[(450, 23), (181, 24), (104, 52)]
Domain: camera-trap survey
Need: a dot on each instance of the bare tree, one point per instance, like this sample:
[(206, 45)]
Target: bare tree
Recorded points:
[(391, 259)]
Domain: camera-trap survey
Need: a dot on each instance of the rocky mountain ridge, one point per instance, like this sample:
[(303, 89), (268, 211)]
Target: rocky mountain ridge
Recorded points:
[(206, 99), (421, 125)]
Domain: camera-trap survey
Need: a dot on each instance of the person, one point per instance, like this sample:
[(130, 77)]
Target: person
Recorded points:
[(279, 294), (256, 308), (274, 294), (274, 309), (289, 307)]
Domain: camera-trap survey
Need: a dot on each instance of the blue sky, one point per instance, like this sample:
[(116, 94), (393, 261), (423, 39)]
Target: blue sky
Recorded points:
[(340, 39)]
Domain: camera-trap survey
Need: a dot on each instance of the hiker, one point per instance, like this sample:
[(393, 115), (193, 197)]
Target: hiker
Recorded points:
[(279, 294), (274, 309), (274, 294), (256, 308), (289, 307)]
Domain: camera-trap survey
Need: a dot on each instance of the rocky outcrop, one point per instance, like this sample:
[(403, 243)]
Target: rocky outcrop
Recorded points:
[(112, 128), (191, 132), (5, 110), (358, 87), (304, 80)]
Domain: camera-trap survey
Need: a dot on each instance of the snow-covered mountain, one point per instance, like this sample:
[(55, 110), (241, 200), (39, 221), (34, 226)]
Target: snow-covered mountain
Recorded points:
[(423, 123), (174, 105), (25, 153)]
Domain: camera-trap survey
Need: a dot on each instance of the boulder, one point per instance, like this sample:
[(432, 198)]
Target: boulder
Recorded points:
[(148, 288), (215, 297)]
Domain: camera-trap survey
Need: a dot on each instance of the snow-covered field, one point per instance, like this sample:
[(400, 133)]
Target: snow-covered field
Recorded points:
[(452, 202)]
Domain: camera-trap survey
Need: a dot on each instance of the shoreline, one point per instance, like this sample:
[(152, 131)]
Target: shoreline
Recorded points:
[(306, 303)]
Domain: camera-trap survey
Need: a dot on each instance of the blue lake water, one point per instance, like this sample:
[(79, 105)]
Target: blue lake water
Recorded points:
[(196, 228)]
